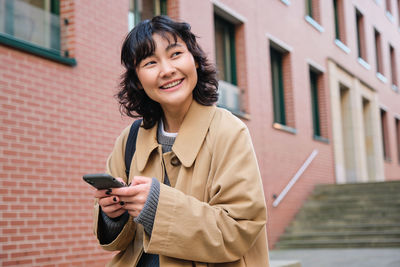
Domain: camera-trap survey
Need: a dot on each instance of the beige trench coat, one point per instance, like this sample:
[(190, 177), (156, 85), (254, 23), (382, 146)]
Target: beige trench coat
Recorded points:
[(214, 213)]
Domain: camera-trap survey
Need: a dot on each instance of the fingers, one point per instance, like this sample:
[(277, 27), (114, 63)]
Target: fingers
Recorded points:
[(133, 209), (114, 211), (103, 193), (111, 206), (108, 201), (139, 185)]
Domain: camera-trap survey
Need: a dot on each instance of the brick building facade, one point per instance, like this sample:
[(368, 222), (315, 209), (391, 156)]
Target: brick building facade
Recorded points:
[(308, 77)]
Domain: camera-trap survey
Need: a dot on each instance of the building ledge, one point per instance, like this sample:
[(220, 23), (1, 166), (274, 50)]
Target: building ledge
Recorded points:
[(364, 63), (342, 46), (314, 23), (286, 2), (242, 115), (381, 77), (284, 128), (321, 139), (51, 54), (389, 16)]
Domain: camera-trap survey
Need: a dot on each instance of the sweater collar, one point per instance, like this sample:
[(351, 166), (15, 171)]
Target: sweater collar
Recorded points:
[(190, 137)]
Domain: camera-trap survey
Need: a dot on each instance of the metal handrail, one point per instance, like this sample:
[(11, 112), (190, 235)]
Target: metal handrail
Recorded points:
[(295, 178)]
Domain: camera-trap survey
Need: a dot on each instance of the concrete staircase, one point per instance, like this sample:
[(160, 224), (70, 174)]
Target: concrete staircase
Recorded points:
[(348, 215)]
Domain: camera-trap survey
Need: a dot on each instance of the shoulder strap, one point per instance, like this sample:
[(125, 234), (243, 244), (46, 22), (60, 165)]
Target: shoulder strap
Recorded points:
[(131, 145)]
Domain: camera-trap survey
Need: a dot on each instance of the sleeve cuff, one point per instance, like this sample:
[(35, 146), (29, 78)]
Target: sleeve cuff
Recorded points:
[(148, 213), (111, 227)]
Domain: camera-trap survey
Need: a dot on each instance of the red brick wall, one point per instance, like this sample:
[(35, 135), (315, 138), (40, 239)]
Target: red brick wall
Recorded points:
[(57, 123), (67, 24)]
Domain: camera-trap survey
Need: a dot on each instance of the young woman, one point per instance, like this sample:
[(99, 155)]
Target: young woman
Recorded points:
[(195, 196)]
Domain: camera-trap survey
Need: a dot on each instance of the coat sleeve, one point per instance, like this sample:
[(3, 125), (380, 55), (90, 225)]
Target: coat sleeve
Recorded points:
[(224, 228), (116, 168)]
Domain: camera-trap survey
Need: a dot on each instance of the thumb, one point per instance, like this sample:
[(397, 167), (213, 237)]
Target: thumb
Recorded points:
[(140, 180), (121, 180)]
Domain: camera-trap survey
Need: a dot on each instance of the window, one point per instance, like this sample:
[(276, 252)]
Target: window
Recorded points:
[(398, 11), (385, 135), (309, 8), (393, 67), (317, 104), (314, 102), (225, 50), (389, 6), (397, 125), (312, 10), (362, 53), (339, 20), (225, 58), (33, 26), (313, 14), (145, 9), (37, 22), (378, 52), (278, 93), (282, 95)]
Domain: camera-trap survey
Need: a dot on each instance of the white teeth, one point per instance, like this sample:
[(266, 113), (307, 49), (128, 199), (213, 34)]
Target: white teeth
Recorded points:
[(171, 84)]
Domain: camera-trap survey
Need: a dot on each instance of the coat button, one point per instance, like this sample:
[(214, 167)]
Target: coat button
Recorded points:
[(175, 161)]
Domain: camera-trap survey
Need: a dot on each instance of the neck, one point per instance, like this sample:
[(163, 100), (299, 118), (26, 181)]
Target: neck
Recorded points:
[(173, 119)]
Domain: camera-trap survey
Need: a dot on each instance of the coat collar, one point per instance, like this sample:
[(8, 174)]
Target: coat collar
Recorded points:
[(191, 135)]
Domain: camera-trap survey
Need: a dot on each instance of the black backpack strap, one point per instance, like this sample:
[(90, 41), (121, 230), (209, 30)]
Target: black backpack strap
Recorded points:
[(131, 145)]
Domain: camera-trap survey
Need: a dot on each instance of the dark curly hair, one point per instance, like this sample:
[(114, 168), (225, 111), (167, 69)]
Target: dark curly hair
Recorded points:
[(138, 45)]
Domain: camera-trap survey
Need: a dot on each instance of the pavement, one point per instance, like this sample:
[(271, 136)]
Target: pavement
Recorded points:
[(351, 257)]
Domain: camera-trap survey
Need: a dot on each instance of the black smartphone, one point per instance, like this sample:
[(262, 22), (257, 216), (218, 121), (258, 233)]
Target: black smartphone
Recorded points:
[(102, 181)]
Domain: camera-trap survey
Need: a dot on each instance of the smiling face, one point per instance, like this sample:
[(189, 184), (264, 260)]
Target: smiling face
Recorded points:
[(168, 76)]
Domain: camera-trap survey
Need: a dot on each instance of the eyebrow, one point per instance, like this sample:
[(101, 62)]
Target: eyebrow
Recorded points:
[(170, 46)]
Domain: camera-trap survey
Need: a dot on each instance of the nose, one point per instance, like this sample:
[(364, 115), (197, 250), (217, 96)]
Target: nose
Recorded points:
[(167, 68)]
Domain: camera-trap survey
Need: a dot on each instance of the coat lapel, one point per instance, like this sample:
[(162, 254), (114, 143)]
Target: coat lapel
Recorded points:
[(146, 143), (192, 132), (191, 135)]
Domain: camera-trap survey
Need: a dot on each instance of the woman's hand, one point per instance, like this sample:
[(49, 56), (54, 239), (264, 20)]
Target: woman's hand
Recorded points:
[(109, 203), (133, 197)]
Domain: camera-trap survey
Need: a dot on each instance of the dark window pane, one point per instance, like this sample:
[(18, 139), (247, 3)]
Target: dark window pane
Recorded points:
[(277, 87), (315, 103)]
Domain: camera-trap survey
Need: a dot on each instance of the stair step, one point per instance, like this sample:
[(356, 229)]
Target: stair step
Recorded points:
[(346, 200), (339, 198), (361, 209), (350, 215), (344, 228), (332, 243), (389, 185), (284, 263), (309, 217), (341, 235)]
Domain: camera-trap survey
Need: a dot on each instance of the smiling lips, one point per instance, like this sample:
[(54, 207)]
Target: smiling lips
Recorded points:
[(171, 84)]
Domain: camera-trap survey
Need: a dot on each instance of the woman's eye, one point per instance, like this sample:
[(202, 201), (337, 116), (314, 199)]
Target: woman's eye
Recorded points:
[(176, 54), (148, 63)]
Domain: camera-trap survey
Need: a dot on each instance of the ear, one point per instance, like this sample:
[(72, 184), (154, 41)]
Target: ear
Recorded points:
[(197, 65)]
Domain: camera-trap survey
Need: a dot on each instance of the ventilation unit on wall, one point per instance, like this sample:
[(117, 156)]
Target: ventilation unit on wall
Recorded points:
[(229, 96)]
